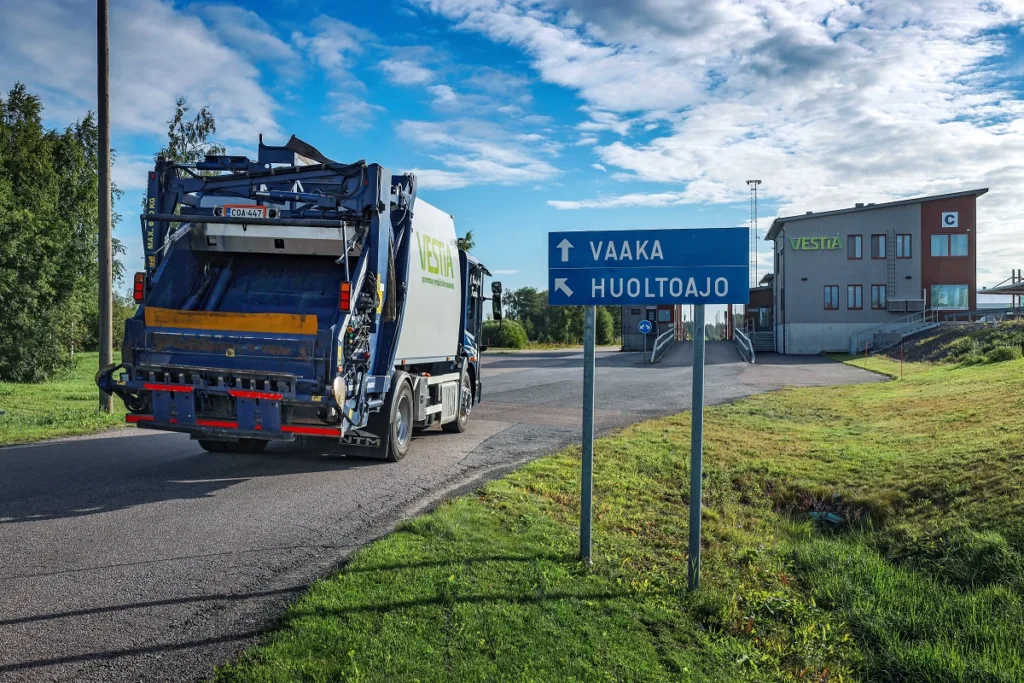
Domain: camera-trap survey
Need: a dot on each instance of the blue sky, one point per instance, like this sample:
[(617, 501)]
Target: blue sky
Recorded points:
[(526, 116)]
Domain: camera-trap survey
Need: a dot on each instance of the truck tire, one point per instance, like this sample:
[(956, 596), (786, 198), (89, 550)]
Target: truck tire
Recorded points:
[(212, 446), (458, 425), (250, 446), (394, 420)]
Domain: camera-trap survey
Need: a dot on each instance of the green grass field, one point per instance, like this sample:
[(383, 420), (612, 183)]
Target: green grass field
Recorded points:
[(921, 580), (65, 406)]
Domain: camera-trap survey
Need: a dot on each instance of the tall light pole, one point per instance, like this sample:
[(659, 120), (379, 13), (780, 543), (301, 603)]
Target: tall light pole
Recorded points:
[(753, 226), (105, 261)]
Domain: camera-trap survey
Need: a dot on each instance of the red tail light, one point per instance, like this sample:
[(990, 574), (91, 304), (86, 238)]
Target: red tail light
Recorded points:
[(345, 297), (139, 293)]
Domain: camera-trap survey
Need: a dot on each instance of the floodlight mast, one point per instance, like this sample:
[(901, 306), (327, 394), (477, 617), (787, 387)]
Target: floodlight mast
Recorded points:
[(753, 226)]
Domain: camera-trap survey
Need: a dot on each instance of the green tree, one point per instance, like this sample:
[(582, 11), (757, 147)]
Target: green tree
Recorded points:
[(48, 237), (468, 242), (188, 140), (605, 332)]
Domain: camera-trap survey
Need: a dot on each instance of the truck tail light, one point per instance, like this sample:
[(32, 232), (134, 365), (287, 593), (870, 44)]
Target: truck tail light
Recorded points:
[(345, 297), (139, 293)]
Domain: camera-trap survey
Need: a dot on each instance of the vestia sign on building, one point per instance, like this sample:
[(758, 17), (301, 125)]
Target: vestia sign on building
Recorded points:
[(696, 266)]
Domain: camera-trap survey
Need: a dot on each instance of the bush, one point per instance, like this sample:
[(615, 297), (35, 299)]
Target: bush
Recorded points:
[(962, 346), (1003, 353), (510, 336)]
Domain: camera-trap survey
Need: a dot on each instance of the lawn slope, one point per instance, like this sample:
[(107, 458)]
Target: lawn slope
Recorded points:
[(64, 406), (919, 579)]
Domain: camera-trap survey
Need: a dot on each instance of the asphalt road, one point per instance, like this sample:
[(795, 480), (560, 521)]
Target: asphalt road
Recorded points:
[(137, 556)]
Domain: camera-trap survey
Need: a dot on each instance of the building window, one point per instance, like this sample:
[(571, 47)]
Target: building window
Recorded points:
[(855, 297), (664, 316), (949, 245), (950, 296), (831, 297), (903, 246), (877, 296), (854, 246), (878, 246)]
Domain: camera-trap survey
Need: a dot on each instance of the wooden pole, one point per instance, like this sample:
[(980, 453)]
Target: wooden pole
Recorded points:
[(105, 258)]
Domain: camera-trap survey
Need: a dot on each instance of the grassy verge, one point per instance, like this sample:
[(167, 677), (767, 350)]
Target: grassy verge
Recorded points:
[(920, 578), (65, 406)]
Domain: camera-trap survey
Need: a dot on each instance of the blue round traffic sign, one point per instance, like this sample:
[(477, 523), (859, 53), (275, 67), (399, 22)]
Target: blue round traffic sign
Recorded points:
[(645, 326)]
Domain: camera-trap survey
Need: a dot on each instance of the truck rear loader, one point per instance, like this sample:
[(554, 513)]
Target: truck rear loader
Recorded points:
[(297, 297)]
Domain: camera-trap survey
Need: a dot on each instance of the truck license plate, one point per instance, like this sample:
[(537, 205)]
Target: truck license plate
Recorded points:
[(245, 211)]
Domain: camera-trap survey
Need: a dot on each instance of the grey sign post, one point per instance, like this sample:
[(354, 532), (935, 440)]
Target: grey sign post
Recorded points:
[(587, 482), (696, 448), (645, 329), (621, 267)]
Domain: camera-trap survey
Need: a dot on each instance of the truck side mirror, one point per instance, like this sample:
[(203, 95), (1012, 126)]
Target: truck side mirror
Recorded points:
[(496, 301)]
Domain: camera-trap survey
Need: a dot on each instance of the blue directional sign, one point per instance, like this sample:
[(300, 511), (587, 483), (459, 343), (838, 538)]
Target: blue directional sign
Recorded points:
[(645, 326), (692, 266)]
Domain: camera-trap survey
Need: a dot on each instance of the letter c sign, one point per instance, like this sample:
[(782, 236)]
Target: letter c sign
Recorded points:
[(950, 219)]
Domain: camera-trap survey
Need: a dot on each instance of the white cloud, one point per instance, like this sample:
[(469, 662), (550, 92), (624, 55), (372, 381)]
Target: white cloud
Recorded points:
[(332, 47), (155, 51), (599, 167), (586, 141), (828, 102), (333, 42), (131, 171), (476, 151), (406, 72), (444, 96), (247, 32), (504, 272)]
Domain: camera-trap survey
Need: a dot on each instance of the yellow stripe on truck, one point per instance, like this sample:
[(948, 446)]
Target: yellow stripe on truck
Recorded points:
[(271, 323)]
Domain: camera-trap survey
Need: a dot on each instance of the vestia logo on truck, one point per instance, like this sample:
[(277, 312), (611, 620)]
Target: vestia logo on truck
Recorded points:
[(436, 259)]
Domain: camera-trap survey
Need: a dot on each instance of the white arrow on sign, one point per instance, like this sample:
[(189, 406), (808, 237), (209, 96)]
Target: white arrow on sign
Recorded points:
[(561, 286), (565, 245)]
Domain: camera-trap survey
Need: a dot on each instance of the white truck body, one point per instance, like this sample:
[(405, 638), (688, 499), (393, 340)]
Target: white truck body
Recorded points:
[(431, 326)]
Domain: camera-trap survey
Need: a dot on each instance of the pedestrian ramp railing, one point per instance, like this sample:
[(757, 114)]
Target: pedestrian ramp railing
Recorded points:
[(744, 345), (662, 344)]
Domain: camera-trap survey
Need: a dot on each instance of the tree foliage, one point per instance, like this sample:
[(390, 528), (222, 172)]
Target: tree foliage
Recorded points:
[(508, 335), (48, 237), (468, 242), (605, 332), (557, 324), (188, 140)]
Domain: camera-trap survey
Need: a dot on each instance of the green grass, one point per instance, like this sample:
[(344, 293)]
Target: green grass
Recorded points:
[(65, 406), (921, 581)]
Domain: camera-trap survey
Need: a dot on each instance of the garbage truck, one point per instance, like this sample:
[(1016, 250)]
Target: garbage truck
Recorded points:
[(297, 297)]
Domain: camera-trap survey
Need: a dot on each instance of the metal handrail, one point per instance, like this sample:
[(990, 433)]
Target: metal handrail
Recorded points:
[(668, 335), (745, 346), (915, 318)]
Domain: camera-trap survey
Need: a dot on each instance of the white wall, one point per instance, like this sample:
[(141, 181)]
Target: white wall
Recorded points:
[(815, 338)]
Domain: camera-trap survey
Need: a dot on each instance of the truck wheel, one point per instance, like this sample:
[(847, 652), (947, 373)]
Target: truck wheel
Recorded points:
[(214, 446), (400, 427), (250, 446), (458, 425)]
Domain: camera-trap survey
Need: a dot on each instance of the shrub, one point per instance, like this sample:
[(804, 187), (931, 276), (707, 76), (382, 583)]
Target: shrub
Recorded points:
[(1003, 353), (511, 335), (962, 346)]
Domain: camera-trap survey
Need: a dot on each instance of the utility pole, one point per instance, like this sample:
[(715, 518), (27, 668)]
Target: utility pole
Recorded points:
[(753, 227), (105, 260)]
